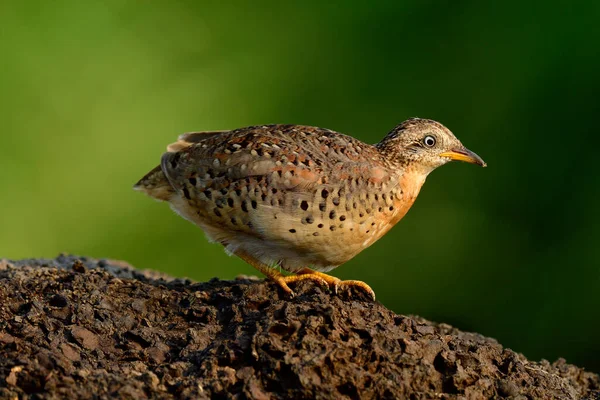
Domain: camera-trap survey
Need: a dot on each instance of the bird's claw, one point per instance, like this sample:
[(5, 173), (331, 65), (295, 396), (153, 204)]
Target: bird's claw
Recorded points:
[(283, 282), (366, 288), (331, 282)]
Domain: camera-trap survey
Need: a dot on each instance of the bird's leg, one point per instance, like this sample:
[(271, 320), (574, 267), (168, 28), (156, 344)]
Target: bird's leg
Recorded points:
[(278, 277), (335, 283)]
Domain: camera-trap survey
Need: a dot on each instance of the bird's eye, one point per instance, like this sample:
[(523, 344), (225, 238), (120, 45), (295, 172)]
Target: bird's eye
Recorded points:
[(429, 141)]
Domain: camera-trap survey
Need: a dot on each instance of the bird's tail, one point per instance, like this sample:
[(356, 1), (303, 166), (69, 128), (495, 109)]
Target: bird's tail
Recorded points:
[(156, 185)]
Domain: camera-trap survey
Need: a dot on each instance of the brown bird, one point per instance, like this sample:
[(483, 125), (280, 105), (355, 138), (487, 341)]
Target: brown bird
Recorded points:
[(300, 198)]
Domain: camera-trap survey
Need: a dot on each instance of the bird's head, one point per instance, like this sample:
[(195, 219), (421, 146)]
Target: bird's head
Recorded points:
[(425, 144)]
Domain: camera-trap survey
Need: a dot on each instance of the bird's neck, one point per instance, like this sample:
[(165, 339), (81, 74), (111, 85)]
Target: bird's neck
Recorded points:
[(410, 180)]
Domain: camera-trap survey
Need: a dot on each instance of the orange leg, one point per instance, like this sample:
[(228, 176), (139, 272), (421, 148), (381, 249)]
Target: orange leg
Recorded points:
[(278, 277), (335, 283)]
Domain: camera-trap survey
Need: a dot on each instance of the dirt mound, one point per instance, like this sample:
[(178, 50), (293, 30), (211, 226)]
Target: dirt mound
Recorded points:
[(82, 328)]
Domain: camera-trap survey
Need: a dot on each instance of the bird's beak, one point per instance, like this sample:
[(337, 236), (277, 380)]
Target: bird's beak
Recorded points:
[(464, 154)]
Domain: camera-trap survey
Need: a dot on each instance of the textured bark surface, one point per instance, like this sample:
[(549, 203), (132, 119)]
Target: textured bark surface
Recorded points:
[(83, 328)]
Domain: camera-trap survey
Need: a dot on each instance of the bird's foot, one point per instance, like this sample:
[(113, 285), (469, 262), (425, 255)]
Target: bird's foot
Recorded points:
[(283, 281), (280, 279), (360, 284), (335, 283)]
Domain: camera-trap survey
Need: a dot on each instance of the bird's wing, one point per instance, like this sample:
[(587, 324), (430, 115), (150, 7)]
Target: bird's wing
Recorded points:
[(288, 158), (219, 158)]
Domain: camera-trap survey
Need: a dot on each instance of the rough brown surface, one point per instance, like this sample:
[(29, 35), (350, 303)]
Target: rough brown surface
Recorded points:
[(99, 329)]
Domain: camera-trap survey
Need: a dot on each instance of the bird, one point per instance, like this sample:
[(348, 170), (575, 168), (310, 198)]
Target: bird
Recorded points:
[(297, 198)]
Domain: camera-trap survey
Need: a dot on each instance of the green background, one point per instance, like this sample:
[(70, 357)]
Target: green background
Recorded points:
[(92, 92)]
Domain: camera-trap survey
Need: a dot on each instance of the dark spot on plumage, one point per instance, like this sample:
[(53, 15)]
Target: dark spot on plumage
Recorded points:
[(263, 197), (336, 201), (244, 206), (342, 217), (208, 194), (292, 231), (320, 226), (230, 202), (254, 204), (332, 214), (322, 206), (186, 193), (324, 193), (391, 208), (192, 181), (238, 192), (224, 191), (304, 205), (233, 221), (217, 212), (332, 228), (220, 202), (175, 160)]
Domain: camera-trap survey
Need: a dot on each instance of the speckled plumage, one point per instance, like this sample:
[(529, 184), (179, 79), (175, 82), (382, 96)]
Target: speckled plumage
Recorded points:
[(295, 196)]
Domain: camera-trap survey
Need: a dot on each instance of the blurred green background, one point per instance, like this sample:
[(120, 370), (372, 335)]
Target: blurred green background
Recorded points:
[(92, 92)]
